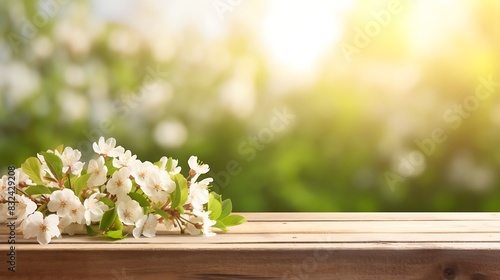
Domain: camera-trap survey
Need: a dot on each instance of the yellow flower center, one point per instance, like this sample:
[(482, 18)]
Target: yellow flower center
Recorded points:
[(43, 227)]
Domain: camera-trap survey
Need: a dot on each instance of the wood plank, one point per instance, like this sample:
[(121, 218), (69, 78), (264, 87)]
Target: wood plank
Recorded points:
[(353, 217), (372, 216), (284, 246), (238, 262), (369, 227), (356, 226), (271, 239)]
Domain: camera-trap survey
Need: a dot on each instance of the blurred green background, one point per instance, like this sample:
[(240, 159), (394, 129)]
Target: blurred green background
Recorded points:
[(295, 105)]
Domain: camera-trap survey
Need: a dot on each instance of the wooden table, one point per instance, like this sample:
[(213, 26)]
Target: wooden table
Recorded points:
[(295, 246)]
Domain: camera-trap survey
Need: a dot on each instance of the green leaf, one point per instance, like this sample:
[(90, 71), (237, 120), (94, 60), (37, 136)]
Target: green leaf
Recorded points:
[(68, 182), (32, 168), (233, 220), (114, 234), (50, 179), (227, 208), (109, 164), (117, 225), (182, 183), (162, 213), (169, 164), (180, 195), (217, 196), (158, 164), (135, 189), (220, 226), (107, 201), (60, 149), (175, 197), (91, 231), (80, 183), (38, 189), (53, 189), (215, 206), (55, 165), (108, 219), (139, 198)]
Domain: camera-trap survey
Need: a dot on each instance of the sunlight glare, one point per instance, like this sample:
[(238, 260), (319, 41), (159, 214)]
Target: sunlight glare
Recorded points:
[(431, 24), (297, 33)]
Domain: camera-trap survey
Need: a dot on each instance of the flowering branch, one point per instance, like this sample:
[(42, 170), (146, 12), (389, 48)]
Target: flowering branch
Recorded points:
[(116, 195)]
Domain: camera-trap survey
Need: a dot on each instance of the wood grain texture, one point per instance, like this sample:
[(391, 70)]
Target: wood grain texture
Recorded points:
[(415, 246)]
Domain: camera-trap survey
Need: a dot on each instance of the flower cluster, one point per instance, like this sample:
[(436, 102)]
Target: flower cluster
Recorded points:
[(116, 195)]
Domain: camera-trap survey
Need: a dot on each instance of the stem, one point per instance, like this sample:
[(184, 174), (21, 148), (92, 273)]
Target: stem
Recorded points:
[(187, 221), (42, 208), (61, 184), (69, 180), (165, 206), (29, 196), (180, 224), (45, 198)]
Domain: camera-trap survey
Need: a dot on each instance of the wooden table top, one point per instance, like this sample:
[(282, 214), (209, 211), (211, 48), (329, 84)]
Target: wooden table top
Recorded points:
[(282, 246)]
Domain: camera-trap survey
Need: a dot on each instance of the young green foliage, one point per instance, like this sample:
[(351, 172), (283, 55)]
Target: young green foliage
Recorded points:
[(140, 198), (38, 189), (80, 184), (55, 165), (180, 195), (221, 212), (32, 168), (214, 206)]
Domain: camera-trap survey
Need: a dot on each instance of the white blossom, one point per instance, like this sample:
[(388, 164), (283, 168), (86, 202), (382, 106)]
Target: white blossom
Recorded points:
[(198, 193), (70, 158), (124, 160), (200, 223), (98, 172), (4, 186), (63, 202), (107, 148), (77, 214), (174, 170), (197, 168), (24, 207), (43, 229), (141, 171), (66, 225), (129, 211), (194, 225), (94, 209), (169, 225), (120, 183), (146, 226), (207, 222), (158, 185)]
